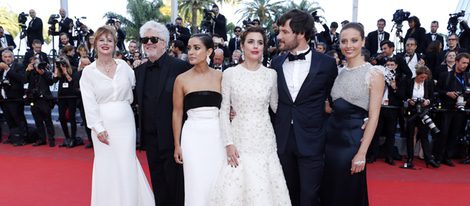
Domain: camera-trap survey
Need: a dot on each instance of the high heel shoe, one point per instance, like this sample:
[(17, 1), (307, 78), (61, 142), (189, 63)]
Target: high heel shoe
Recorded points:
[(433, 163)]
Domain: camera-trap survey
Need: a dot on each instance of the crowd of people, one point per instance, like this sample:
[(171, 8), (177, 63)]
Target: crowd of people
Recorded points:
[(287, 117)]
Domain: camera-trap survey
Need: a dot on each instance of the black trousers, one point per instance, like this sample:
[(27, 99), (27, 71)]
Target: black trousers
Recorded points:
[(82, 115), (423, 131), (41, 110), (303, 174), (70, 105), (14, 115), (452, 123), (167, 178), (387, 126)]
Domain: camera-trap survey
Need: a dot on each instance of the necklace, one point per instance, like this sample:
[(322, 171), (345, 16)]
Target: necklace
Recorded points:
[(108, 67), (357, 67)]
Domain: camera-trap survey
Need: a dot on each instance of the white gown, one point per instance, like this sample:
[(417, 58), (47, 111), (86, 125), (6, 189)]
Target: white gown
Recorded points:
[(259, 179), (118, 178)]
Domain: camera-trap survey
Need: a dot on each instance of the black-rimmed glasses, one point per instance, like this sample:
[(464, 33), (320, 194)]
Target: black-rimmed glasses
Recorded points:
[(153, 39)]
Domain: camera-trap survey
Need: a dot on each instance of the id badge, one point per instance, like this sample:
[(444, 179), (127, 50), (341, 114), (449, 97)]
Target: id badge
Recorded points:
[(65, 85)]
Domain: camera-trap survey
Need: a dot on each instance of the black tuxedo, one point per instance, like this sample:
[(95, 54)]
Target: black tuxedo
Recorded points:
[(30, 53), (300, 127), (428, 39), (66, 26), (121, 36), (155, 107), (403, 71), (234, 44), (12, 98), (420, 36), (34, 31), (372, 41), (9, 41)]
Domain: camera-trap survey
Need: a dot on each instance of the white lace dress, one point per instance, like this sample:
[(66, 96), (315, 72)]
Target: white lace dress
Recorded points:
[(258, 180)]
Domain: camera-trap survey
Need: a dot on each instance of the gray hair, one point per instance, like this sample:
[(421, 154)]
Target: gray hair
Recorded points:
[(156, 27), (7, 51), (219, 51)]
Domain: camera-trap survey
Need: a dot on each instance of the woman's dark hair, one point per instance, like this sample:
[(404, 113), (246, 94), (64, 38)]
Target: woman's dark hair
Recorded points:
[(422, 69), (356, 26), (205, 39), (300, 22), (253, 29), (416, 20)]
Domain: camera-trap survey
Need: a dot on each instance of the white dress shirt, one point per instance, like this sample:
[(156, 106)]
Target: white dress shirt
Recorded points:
[(295, 73), (418, 90)]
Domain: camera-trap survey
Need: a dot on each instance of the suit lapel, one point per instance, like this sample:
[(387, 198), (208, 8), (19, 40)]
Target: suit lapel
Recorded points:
[(283, 82), (314, 67)]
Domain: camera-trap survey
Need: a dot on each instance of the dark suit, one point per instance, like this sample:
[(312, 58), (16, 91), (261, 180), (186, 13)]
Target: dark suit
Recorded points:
[(156, 106), (300, 127), (30, 53), (34, 31), (403, 71), (12, 100), (428, 39), (420, 36), (66, 26), (220, 26), (372, 41), (9, 41), (234, 44), (423, 129)]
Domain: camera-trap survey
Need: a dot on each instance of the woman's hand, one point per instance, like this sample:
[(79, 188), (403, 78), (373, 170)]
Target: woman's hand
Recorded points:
[(103, 137), (232, 155), (178, 155), (358, 163)]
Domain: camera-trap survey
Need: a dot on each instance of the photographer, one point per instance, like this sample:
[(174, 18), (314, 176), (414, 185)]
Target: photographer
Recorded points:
[(464, 35), (376, 37), (34, 30), (234, 42), (121, 35), (182, 33), (67, 101), (66, 25), (452, 87), (12, 81), (389, 112), (220, 23), (39, 80), (418, 95), (36, 51), (330, 36)]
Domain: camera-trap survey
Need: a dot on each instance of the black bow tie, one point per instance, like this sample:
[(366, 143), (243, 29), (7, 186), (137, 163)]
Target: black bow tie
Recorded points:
[(301, 56)]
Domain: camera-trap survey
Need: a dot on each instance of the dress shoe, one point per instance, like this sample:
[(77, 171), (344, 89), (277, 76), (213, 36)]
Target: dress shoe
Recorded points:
[(63, 144), (71, 144), (89, 145), (7, 141), (389, 161), (39, 143), (466, 161), (78, 141), (448, 162), (408, 164), (433, 163), (22, 143)]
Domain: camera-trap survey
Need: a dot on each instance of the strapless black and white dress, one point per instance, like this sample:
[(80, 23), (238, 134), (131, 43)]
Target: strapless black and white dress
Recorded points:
[(202, 147)]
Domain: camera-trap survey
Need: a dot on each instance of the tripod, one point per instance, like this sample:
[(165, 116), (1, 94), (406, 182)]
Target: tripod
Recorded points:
[(54, 53), (22, 36)]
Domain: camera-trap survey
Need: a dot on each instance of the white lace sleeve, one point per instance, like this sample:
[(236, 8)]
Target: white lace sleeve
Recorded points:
[(274, 93), (225, 107), (374, 71)]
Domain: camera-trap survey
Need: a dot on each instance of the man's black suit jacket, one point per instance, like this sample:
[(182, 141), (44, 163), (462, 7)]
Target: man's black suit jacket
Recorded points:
[(34, 31), (171, 68), (428, 40), (30, 53), (17, 79), (372, 40), (307, 111)]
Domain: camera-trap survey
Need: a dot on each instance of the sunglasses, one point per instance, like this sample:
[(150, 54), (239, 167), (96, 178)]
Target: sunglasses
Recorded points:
[(237, 31), (153, 39)]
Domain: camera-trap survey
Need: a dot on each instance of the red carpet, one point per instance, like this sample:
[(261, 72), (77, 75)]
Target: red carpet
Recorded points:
[(40, 176)]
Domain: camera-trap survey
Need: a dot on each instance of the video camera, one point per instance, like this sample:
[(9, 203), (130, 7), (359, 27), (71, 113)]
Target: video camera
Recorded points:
[(316, 18), (111, 20), (398, 17), (22, 18), (454, 20), (206, 23), (53, 20), (461, 95)]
